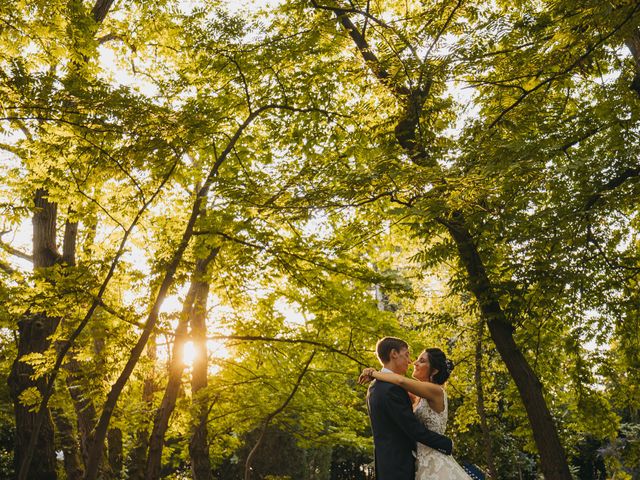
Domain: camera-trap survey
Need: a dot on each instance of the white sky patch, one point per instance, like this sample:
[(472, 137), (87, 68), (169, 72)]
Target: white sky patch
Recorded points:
[(233, 6), (292, 311), (120, 77)]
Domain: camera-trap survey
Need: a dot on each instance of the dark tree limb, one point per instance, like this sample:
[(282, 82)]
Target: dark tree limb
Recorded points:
[(100, 10), (615, 182)]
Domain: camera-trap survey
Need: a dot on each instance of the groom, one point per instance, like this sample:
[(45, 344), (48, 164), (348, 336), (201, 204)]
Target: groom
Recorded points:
[(395, 428)]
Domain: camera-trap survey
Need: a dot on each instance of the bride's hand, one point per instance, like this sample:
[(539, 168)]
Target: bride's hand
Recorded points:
[(366, 376)]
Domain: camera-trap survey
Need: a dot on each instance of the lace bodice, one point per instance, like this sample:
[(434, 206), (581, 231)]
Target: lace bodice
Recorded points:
[(434, 421), (431, 464)]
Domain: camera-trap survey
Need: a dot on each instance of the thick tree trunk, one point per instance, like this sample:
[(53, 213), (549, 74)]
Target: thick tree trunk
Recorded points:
[(484, 425), (114, 437), (197, 290), (33, 337), (552, 457), (198, 446), (69, 444)]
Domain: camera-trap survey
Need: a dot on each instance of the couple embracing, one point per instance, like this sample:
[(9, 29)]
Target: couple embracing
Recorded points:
[(408, 413)]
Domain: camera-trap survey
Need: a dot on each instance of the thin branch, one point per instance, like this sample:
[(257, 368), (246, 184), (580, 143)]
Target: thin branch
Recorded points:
[(365, 49), (15, 252), (245, 85), (302, 341), (574, 64), (368, 16), (272, 415), (436, 40)]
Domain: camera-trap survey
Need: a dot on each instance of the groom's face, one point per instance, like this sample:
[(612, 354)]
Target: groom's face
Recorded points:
[(403, 360)]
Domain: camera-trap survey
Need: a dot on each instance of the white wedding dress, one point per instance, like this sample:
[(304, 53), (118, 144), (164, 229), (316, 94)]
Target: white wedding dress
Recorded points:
[(431, 464)]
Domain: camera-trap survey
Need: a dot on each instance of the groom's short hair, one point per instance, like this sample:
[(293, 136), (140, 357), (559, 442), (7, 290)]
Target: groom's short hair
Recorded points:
[(386, 344)]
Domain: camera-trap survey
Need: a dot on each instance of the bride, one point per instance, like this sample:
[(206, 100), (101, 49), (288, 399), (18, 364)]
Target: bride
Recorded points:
[(431, 371)]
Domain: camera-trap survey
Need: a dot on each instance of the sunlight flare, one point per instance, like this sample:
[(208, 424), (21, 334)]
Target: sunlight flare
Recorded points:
[(189, 353)]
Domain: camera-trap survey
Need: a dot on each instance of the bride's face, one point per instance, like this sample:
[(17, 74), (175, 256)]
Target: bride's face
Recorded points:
[(421, 367)]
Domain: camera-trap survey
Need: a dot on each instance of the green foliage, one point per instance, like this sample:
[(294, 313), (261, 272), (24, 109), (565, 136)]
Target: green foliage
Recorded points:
[(528, 127)]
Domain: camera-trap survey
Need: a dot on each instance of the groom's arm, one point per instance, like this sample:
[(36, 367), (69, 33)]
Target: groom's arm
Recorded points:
[(400, 411)]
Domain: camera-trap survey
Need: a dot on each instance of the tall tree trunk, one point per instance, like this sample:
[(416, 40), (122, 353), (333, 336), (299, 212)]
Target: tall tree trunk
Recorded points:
[(484, 425), (552, 458), (83, 404), (553, 461), (198, 446), (85, 410), (33, 337), (69, 444), (197, 289)]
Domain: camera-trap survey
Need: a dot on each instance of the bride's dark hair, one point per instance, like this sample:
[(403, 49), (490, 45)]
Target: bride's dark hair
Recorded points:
[(439, 361)]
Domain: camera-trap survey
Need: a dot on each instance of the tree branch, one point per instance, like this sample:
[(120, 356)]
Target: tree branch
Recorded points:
[(100, 10), (272, 415), (15, 252), (574, 64), (303, 341), (612, 184), (365, 50)]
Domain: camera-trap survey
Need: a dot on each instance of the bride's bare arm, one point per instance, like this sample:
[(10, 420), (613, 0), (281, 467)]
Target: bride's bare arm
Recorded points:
[(425, 390)]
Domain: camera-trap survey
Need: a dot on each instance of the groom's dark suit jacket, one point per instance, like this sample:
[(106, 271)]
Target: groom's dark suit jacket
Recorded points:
[(396, 431)]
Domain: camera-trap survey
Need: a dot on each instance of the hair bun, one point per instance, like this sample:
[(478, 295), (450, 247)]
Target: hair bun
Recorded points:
[(450, 365)]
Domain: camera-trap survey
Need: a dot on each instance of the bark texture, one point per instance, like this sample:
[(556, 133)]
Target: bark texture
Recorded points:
[(69, 445), (34, 331), (484, 424), (198, 446)]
